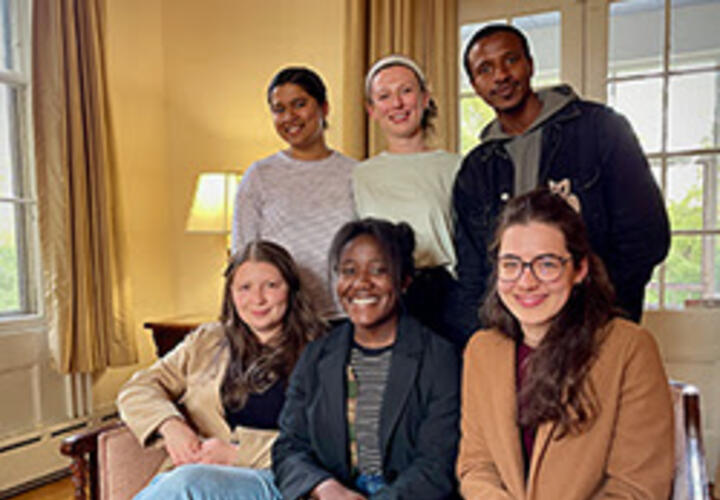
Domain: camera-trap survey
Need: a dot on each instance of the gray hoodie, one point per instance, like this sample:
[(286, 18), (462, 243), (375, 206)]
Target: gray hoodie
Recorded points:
[(524, 149)]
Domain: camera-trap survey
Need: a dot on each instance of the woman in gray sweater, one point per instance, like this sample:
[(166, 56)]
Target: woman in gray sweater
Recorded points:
[(300, 196)]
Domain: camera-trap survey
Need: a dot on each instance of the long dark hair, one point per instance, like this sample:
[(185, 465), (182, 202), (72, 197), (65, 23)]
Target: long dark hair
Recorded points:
[(254, 366), (557, 388)]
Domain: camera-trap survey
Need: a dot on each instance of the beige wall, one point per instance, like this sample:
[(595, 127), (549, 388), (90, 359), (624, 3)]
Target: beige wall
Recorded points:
[(187, 86), (135, 64)]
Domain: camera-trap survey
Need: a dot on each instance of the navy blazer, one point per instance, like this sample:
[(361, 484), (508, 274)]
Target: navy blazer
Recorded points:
[(418, 421)]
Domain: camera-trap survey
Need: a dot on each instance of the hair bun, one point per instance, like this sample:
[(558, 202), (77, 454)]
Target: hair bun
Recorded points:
[(406, 236)]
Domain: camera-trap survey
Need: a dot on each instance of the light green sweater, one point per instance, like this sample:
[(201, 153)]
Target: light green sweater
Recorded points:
[(415, 188)]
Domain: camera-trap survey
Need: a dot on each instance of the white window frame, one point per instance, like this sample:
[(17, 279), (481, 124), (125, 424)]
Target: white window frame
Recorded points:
[(664, 157)]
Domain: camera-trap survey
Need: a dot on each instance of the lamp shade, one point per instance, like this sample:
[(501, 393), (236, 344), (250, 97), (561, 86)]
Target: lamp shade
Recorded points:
[(212, 205)]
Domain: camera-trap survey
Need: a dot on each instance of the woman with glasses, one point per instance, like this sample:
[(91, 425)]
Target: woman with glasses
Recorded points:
[(561, 397)]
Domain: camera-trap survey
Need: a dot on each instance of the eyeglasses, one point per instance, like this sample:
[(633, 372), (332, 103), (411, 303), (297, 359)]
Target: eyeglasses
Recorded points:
[(546, 267)]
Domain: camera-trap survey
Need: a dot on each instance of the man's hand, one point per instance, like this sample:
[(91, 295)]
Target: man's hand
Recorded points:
[(331, 489), (181, 442)]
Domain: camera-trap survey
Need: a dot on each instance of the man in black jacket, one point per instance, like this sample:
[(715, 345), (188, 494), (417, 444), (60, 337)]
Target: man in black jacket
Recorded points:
[(552, 138)]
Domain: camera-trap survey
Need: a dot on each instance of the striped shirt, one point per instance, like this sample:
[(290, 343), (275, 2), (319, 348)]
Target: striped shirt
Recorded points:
[(371, 368), (299, 205)]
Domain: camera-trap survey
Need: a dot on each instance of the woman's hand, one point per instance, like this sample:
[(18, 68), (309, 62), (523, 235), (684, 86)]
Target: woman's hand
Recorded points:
[(331, 489), (181, 442), (217, 451)]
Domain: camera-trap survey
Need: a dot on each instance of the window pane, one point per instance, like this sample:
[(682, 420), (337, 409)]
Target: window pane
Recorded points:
[(9, 272), (7, 35), (474, 115), (683, 274), (631, 50), (543, 32), (9, 182), (641, 102), (694, 34), (693, 118), (684, 193)]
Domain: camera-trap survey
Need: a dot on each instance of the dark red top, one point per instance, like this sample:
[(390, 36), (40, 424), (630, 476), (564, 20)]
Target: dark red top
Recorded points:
[(527, 434)]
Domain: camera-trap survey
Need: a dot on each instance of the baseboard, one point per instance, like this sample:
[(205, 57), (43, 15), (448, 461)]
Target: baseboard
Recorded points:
[(33, 458)]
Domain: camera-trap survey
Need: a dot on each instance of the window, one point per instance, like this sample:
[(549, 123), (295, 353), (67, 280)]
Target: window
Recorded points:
[(667, 82), (665, 78), (18, 263)]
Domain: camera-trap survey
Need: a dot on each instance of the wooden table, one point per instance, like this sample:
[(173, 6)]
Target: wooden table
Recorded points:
[(168, 333)]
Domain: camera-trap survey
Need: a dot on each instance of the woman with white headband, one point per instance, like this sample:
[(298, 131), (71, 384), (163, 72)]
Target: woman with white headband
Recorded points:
[(412, 182)]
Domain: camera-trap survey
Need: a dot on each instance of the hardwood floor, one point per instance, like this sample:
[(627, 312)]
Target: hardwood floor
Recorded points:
[(57, 490)]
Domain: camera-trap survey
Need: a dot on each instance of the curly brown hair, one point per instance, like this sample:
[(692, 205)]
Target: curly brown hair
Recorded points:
[(557, 388), (253, 366)]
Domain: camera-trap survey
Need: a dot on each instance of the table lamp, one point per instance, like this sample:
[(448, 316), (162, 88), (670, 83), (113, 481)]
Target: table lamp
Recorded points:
[(212, 207)]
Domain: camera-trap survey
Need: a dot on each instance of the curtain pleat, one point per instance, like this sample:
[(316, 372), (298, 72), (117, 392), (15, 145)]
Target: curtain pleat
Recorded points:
[(426, 31), (86, 290)]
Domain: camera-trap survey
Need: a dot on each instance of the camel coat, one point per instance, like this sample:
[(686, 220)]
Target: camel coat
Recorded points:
[(191, 375), (626, 453)]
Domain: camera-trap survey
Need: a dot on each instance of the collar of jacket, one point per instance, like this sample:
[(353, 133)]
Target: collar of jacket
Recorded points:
[(568, 112), (404, 365), (406, 343)]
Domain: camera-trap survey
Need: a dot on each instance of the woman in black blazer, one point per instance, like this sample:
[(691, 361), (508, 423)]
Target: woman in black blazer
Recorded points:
[(372, 409)]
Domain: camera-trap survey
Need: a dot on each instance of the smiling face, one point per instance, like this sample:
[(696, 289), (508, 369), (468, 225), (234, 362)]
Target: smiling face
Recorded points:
[(297, 116), (501, 71), (397, 102), (535, 303), (260, 295), (366, 290)]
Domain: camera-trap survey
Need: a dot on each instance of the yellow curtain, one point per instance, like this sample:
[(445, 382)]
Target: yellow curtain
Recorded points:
[(86, 291), (425, 30)]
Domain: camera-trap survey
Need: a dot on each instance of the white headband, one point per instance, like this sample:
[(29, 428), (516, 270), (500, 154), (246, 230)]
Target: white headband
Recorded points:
[(393, 60)]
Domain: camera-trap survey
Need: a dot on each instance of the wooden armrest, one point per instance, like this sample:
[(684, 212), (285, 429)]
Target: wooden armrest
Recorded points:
[(695, 467), (82, 449)]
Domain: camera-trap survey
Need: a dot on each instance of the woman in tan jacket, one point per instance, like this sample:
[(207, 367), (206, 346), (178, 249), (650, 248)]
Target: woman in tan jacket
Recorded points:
[(562, 399), (230, 377)]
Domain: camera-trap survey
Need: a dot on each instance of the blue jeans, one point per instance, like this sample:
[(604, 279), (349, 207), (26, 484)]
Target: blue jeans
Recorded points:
[(216, 482)]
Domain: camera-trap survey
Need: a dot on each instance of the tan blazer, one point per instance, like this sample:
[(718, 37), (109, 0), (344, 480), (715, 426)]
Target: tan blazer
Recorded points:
[(627, 453), (190, 374)]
